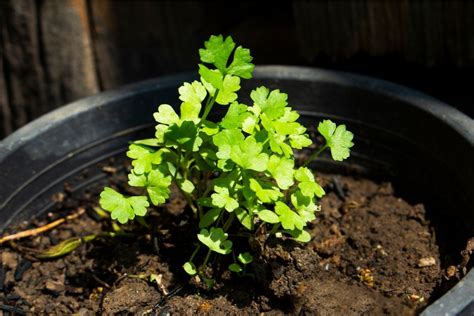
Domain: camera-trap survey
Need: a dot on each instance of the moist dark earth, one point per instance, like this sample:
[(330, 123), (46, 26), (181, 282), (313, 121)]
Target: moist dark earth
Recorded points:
[(371, 253)]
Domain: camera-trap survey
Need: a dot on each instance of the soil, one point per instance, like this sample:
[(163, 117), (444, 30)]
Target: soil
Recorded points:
[(371, 253)]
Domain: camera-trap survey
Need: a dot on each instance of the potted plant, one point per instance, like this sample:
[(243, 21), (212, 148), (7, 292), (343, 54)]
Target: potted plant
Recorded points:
[(284, 274)]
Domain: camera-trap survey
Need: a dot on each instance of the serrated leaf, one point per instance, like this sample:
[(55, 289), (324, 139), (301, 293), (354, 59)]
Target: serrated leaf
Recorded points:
[(245, 258), (122, 208), (184, 135), (300, 141), (308, 184), (216, 240), (223, 199), (271, 103), (268, 216), (193, 92), (209, 217), (288, 219), (337, 138), (226, 93), (241, 65), (248, 154), (235, 267), (190, 268), (265, 192), (217, 51), (143, 158), (158, 186), (282, 170), (166, 115), (235, 116), (137, 180), (225, 140)]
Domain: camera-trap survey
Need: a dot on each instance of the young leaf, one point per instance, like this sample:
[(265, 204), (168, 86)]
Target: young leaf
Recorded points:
[(308, 184), (223, 199), (225, 140), (143, 158), (248, 154), (241, 65), (270, 103), (282, 170), (235, 267), (216, 240), (337, 138), (268, 216), (227, 94), (158, 186), (190, 268), (236, 115), (122, 208), (184, 135), (245, 258), (210, 217), (267, 193), (289, 219), (166, 115), (300, 235), (217, 51), (65, 247), (244, 218)]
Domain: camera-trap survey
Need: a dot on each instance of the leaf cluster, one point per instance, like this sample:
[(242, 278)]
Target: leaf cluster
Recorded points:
[(236, 174)]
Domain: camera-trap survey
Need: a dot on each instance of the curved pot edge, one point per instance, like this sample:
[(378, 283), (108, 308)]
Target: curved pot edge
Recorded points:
[(449, 303)]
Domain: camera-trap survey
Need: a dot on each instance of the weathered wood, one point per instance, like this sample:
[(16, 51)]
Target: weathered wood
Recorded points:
[(67, 49), (425, 32), (22, 62)]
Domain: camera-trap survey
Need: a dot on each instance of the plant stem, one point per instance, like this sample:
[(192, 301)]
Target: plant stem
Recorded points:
[(208, 107), (195, 252), (206, 259), (228, 222), (315, 155)]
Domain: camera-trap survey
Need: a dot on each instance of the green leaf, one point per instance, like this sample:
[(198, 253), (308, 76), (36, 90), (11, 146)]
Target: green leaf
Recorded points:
[(223, 199), (248, 154), (244, 218), (282, 170), (122, 208), (235, 116), (158, 186), (241, 65), (308, 184), (224, 141), (300, 141), (184, 135), (193, 93), (190, 268), (137, 180), (210, 217), (227, 94), (245, 258), (64, 247), (217, 51), (211, 79), (300, 235), (267, 194), (166, 115), (271, 103), (289, 219), (216, 240), (235, 267), (268, 216), (337, 138), (186, 185), (153, 142), (143, 158)]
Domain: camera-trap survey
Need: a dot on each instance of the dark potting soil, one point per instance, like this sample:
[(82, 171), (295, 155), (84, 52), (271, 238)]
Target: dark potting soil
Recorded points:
[(371, 253)]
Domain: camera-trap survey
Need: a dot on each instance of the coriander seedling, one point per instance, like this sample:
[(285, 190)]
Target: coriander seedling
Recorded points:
[(236, 174)]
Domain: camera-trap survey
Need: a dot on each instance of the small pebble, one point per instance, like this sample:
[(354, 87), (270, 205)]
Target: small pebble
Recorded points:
[(426, 262), (9, 260)]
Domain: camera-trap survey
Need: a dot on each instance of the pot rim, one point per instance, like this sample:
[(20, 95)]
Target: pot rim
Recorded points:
[(451, 303)]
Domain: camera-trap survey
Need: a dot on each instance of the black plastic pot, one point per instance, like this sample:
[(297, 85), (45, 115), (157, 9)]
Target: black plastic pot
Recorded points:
[(424, 146)]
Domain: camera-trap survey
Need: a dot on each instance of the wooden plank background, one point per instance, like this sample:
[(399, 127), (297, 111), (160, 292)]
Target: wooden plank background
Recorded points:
[(55, 51)]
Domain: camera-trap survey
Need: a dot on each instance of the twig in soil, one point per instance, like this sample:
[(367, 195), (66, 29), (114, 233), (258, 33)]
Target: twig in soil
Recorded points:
[(3, 275), (42, 229), (339, 191), (98, 280), (170, 295), (12, 309), (21, 269)]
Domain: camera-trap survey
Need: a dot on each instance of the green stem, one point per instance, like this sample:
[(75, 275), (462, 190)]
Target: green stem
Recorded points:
[(195, 252), (208, 107), (274, 229), (206, 259), (228, 222), (315, 155)]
